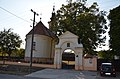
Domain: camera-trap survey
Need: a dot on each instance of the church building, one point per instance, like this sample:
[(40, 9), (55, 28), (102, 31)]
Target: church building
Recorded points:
[(43, 44), (45, 48)]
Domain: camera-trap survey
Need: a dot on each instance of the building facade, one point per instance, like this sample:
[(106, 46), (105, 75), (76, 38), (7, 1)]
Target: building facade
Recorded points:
[(43, 44)]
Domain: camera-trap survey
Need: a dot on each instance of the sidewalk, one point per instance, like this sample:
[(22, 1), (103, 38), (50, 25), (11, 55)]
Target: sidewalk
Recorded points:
[(63, 74)]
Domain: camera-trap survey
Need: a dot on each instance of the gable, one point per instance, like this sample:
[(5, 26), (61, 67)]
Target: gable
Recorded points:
[(67, 34), (41, 29)]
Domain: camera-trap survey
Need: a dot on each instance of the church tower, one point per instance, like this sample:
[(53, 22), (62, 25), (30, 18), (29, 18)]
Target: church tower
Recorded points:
[(52, 23)]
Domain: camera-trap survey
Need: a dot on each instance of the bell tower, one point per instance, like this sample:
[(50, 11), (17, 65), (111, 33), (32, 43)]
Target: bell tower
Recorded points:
[(52, 22)]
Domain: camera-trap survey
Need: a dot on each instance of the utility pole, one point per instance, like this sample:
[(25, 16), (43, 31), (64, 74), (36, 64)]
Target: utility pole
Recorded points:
[(31, 54)]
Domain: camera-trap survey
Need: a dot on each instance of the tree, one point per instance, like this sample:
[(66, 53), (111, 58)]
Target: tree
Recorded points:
[(9, 41), (86, 22), (106, 54), (114, 18), (18, 53)]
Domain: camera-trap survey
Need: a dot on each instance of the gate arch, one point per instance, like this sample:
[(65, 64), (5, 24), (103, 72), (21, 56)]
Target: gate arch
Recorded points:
[(68, 40), (64, 46), (68, 59)]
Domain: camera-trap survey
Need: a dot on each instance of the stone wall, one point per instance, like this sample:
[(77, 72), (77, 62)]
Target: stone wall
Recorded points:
[(90, 63), (40, 60)]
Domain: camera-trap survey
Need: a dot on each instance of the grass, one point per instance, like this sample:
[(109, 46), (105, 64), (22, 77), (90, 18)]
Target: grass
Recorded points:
[(17, 69)]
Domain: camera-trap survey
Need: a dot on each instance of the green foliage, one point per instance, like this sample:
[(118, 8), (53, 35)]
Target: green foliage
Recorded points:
[(106, 55), (18, 53), (114, 18), (86, 22), (9, 41)]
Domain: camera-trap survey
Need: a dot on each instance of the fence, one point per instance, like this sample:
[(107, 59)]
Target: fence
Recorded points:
[(11, 58)]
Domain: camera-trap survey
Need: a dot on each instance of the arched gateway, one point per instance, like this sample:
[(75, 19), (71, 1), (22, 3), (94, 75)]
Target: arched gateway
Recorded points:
[(69, 40)]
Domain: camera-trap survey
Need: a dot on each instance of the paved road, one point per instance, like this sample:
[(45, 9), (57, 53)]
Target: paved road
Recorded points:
[(63, 74), (5, 76), (108, 77), (59, 74), (69, 74)]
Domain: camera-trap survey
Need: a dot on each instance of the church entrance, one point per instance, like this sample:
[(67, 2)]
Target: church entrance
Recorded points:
[(68, 59)]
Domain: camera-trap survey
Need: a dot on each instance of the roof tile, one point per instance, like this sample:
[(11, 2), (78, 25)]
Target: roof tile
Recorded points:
[(40, 29)]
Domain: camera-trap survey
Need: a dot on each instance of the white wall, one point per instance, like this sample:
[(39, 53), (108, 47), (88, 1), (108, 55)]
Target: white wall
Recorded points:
[(68, 37), (42, 48)]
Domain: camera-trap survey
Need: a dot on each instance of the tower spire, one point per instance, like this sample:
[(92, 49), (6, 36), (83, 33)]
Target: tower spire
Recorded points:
[(52, 22), (40, 16), (53, 8), (53, 13)]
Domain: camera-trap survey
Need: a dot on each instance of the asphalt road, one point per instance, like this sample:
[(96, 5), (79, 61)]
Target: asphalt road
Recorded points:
[(60, 74), (63, 74), (5, 76), (108, 77)]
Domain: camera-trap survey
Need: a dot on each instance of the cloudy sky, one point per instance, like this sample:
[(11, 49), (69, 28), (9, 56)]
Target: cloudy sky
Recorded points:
[(16, 14)]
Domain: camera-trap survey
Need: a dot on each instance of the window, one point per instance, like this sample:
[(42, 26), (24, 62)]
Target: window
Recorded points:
[(68, 44), (34, 44), (90, 61)]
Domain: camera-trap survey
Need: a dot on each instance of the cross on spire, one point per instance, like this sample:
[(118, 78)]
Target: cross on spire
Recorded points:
[(54, 8), (40, 16)]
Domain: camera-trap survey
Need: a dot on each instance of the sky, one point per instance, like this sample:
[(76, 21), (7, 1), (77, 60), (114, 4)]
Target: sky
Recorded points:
[(16, 14)]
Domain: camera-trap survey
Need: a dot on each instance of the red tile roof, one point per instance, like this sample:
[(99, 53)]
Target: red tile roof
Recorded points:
[(40, 29)]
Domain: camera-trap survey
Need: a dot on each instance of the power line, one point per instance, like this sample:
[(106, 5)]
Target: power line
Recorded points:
[(14, 15)]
